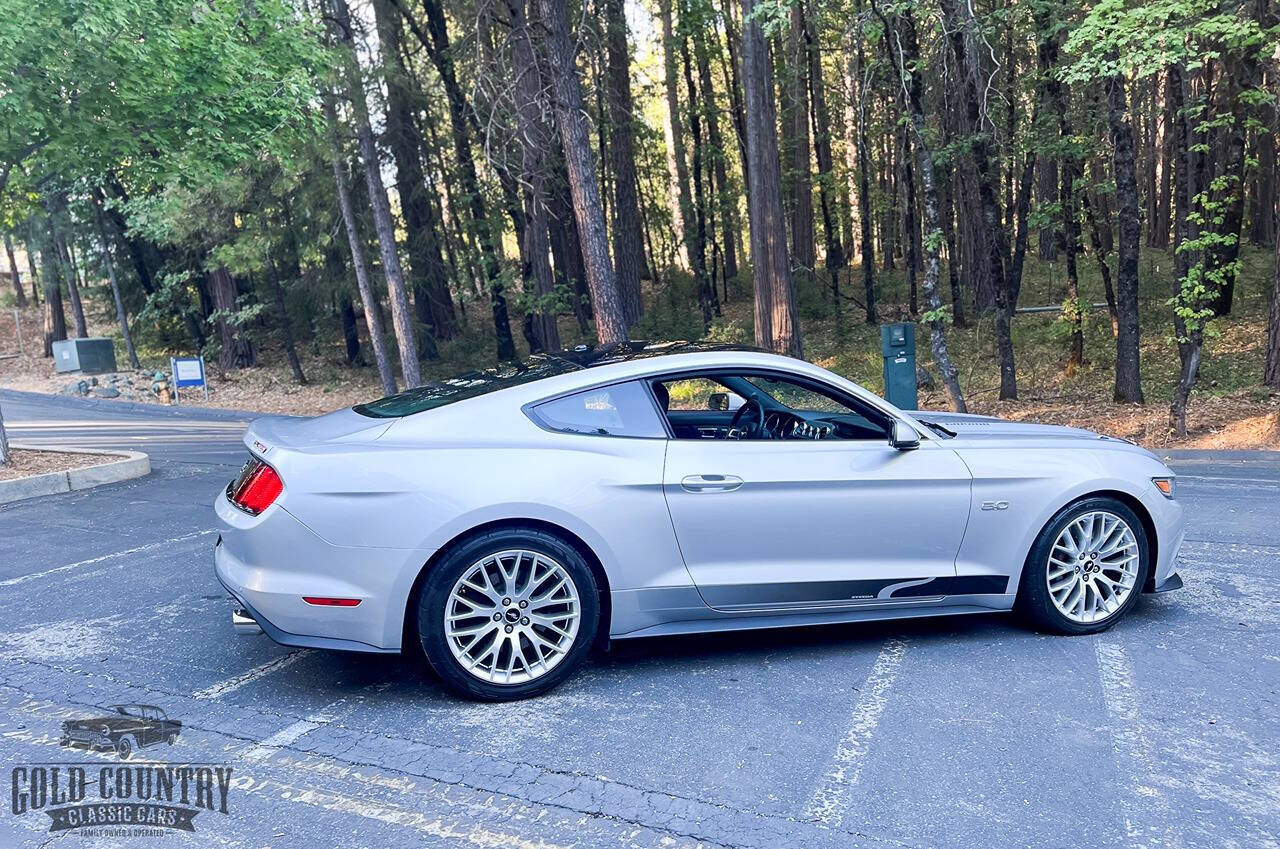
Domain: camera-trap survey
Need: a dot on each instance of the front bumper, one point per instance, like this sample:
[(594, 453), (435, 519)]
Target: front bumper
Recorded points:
[(1168, 516)]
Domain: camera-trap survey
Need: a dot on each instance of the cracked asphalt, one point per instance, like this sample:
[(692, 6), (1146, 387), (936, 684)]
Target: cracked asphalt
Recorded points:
[(969, 731)]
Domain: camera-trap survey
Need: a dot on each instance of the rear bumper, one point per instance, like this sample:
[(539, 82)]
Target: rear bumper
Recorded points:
[(269, 562)]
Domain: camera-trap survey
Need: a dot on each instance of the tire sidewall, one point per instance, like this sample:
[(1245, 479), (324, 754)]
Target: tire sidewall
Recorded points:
[(1034, 589), (434, 595)]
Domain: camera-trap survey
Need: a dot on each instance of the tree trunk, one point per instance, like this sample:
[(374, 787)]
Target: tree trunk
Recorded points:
[(611, 324), (821, 118), (535, 146), (724, 204), (401, 318), (4, 442), (776, 327), (115, 285), (1271, 373), (993, 276), (904, 56), (796, 118), (55, 319), (1189, 339), (367, 297), (66, 272), (909, 225), (628, 241), (677, 161), (350, 333), (1262, 198), (864, 183), (436, 43), (949, 234), (698, 254), (432, 300), (31, 263), (19, 293), (235, 350), (1128, 367), (1100, 255)]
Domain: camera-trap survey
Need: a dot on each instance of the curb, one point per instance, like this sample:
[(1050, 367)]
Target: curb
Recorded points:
[(132, 464), (1214, 455), (106, 404)]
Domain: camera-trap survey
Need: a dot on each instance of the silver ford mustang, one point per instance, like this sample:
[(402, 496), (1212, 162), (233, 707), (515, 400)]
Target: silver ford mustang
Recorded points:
[(509, 520)]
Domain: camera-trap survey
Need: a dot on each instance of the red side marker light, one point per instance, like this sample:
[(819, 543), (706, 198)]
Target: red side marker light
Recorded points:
[(321, 601)]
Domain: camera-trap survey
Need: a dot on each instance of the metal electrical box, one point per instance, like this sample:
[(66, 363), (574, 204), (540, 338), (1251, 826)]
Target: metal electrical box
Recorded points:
[(898, 345), (87, 356)]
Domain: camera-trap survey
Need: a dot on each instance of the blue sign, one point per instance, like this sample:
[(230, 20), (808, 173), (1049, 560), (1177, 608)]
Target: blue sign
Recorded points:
[(188, 371)]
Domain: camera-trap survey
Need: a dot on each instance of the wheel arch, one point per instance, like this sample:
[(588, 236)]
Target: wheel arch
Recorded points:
[(1133, 503), (409, 638)]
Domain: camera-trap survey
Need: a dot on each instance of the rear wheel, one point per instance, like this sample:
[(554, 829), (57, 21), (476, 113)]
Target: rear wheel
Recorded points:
[(1086, 569), (508, 614)]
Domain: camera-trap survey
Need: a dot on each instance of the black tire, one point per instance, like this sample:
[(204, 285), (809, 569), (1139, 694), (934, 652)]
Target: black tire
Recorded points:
[(125, 748), (435, 591), (1034, 601)]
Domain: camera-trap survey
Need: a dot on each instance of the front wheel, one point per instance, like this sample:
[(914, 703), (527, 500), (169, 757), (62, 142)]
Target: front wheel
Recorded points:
[(1086, 569), (508, 615), (126, 746)]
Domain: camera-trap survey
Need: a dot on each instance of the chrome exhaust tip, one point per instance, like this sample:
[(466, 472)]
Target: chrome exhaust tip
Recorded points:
[(244, 623)]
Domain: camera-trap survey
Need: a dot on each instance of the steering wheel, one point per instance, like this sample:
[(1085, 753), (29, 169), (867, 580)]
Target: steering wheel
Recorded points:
[(756, 427)]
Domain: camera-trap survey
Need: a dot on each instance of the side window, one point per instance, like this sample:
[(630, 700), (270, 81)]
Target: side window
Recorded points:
[(700, 393), (624, 409)]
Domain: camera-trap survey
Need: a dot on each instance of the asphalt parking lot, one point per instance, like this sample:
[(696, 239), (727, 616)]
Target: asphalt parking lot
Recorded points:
[(963, 732)]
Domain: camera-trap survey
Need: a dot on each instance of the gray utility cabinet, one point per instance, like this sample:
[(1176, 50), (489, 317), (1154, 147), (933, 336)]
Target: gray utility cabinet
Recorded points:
[(898, 345), (87, 356)]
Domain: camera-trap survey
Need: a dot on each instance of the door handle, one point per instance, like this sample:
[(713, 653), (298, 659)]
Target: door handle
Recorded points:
[(710, 483)]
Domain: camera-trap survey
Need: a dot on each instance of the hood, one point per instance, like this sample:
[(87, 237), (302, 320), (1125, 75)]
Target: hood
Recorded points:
[(973, 428), (299, 432)]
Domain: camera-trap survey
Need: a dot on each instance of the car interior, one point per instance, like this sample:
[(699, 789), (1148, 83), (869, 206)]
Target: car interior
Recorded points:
[(762, 406)]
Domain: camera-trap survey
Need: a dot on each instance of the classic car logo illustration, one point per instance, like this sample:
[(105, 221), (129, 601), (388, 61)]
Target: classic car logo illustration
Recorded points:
[(102, 799), (124, 730)]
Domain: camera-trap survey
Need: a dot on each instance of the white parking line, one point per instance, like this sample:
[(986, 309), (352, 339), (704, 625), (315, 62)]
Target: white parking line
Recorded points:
[(828, 801), (232, 684), (151, 546), (290, 734), (1131, 741)]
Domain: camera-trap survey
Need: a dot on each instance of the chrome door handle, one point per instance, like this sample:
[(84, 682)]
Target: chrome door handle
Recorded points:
[(710, 483)]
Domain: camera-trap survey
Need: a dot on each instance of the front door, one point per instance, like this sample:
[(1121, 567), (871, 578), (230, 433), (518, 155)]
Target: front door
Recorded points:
[(793, 522)]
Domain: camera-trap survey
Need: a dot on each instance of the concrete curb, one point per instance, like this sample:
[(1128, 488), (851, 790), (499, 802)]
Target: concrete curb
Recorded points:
[(1216, 455), (108, 404), (132, 464)]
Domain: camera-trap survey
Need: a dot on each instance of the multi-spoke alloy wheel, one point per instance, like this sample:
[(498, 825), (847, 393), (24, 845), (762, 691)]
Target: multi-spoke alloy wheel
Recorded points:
[(512, 616), (1086, 568), (1093, 567), (509, 613)]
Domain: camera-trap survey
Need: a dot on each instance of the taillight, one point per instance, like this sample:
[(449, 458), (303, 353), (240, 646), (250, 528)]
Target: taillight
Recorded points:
[(257, 487)]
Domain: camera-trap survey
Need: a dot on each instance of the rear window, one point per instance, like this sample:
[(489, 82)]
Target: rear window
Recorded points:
[(464, 386)]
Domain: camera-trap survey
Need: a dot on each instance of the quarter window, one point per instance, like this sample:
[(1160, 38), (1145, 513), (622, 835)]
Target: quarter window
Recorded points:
[(624, 409)]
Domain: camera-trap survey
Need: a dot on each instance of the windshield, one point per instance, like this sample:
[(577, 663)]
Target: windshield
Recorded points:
[(469, 385)]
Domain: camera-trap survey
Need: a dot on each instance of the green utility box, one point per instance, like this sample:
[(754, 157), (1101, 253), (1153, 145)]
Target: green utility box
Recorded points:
[(87, 356), (898, 345)]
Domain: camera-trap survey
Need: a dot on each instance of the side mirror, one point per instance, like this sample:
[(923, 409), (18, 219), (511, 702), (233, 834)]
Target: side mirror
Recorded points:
[(718, 401), (903, 436)]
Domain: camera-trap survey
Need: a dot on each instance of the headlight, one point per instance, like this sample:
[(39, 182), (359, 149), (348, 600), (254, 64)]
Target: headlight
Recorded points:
[(1165, 485)]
